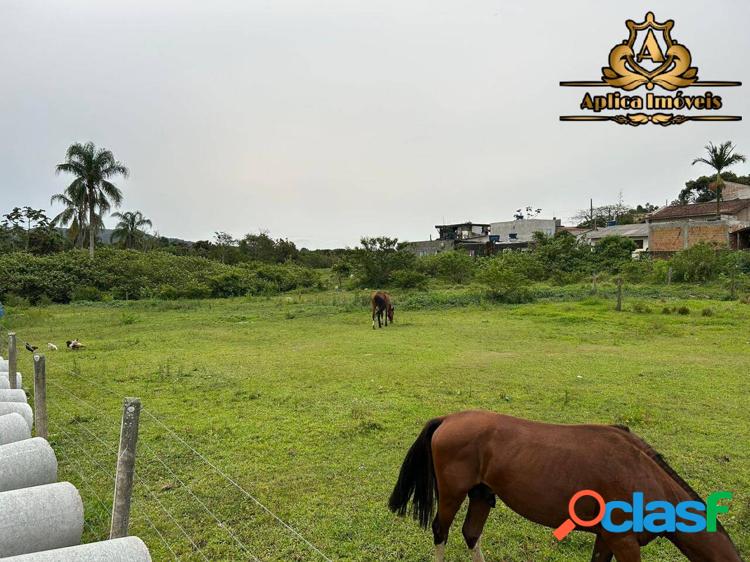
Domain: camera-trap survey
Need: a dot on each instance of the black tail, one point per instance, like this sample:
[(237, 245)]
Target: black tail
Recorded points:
[(417, 478)]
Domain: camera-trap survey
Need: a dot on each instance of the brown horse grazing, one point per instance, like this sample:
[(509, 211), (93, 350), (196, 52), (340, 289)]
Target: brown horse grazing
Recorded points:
[(536, 468), (381, 304)]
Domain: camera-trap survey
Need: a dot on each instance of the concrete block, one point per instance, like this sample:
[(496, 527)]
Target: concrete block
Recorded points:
[(19, 378), (18, 408), (40, 518), (27, 463), (13, 427), (13, 395), (128, 549)]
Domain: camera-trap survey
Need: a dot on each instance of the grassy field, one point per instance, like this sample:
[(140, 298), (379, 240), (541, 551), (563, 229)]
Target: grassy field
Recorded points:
[(311, 411)]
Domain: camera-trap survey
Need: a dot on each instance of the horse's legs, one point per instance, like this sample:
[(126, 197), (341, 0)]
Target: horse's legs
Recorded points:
[(624, 547), (481, 500), (448, 505), (602, 553)]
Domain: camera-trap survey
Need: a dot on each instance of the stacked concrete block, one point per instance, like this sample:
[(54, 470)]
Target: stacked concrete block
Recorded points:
[(4, 377), (13, 427), (27, 463), (18, 408), (41, 520), (128, 549)]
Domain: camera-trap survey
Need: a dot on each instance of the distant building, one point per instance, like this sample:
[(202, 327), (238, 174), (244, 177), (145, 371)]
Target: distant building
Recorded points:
[(678, 227), (479, 239), (732, 190), (468, 236), (518, 234), (638, 233)]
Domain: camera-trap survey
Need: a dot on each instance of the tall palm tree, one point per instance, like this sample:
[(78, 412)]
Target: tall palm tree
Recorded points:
[(720, 158), (74, 213), (129, 229), (93, 169)]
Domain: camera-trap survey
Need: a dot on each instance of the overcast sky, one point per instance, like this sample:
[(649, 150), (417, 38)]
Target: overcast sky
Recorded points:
[(324, 121)]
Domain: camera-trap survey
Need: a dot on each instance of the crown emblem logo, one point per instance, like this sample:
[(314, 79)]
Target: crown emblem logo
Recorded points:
[(650, 57)]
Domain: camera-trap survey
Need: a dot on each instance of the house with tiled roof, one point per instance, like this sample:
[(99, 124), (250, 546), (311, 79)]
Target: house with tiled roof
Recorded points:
[(677, 227)]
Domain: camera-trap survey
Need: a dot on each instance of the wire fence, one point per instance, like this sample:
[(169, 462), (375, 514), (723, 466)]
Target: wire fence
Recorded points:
[(184, 505)]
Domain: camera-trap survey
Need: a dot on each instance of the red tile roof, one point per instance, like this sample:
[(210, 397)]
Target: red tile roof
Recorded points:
[(699, 210)]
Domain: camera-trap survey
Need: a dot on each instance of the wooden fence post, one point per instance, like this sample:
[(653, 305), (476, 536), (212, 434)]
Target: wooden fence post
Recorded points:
[(669, 275), (131, 411), (618, 308), (40, 396), (594, 278), (12, 360)]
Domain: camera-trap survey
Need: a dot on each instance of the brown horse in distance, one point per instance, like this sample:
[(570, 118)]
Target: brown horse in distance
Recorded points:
[(381, 305), (536, 468)]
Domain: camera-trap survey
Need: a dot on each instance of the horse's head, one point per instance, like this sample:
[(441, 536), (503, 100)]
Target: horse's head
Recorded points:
[(391, 308)]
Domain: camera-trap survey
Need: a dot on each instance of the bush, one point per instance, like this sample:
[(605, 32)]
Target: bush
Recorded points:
[(683, 310), (504, 284), (86, 294), (697, 264), (128, 274), (456, 267), (406, 279), (707, 312), (612, 252), (641, 308)]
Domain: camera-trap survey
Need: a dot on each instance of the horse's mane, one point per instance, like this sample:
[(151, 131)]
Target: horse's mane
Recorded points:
[(658, 458)]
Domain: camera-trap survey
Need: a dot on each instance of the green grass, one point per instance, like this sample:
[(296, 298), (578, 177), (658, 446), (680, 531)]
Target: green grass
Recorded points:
[(311, 411)]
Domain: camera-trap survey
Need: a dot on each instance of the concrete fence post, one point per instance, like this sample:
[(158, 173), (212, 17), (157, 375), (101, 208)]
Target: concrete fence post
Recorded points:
[(618, 307), (131, 412), (40, 396), (12, 360), (669, 275)]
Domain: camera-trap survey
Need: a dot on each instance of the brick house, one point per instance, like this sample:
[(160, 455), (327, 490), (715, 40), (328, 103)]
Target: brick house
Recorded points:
[(678, 227)]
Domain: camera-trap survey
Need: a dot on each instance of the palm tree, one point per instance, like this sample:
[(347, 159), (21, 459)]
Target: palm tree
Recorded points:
[(129, 229), (93, 168), (74, 213), (720, 158)]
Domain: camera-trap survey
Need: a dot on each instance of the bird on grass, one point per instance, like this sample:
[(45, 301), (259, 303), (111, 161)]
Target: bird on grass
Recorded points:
[(51, 347), (74, 344), (31, 348)]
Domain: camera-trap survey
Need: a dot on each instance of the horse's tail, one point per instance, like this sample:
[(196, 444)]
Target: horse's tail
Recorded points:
[(417, 478)]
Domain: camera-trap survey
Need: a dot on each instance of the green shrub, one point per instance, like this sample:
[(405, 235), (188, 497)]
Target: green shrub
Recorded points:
[(707, 312), (684, 310), (86, 294), (612, 252), (129, 274), (637, 271), (406, 279), (641, 308), (456, 267), (697, 264), (504, 284)]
